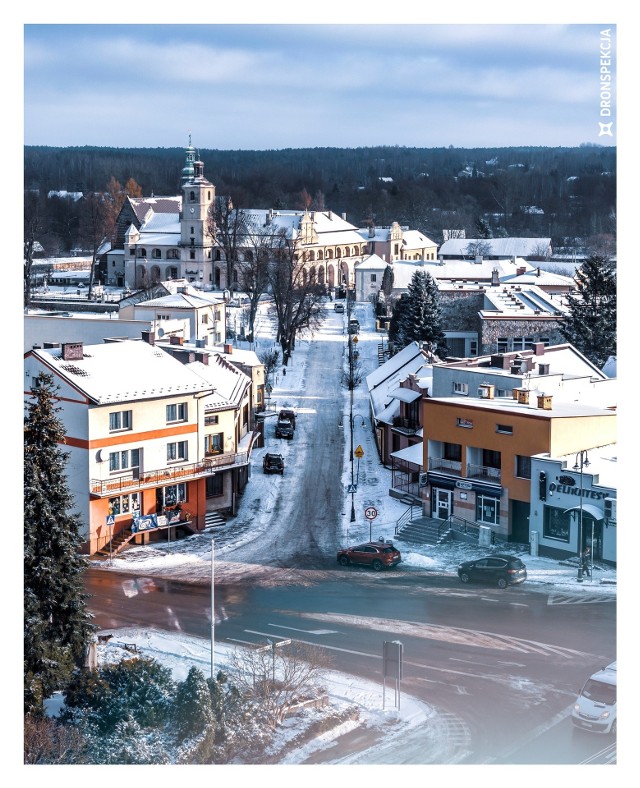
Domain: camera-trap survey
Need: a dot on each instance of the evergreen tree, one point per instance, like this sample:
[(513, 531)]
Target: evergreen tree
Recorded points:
[(417, 315), (590, 325), (192, 711), (56, 621)]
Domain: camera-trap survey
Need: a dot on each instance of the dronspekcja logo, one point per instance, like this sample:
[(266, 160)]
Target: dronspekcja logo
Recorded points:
[(606, 83)]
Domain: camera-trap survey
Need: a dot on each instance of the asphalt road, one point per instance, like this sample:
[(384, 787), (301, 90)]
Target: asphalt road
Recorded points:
[(501, 667)]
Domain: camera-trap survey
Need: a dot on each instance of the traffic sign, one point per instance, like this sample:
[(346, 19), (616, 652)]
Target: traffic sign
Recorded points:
[(111, 520), (359, 452), (371, 512), (352, 488), (355, 339)]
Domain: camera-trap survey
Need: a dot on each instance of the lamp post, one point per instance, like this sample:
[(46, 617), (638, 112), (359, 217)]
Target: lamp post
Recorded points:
[(582, 461)]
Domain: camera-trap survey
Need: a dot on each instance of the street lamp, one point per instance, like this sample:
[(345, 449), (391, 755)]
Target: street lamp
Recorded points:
[(582, 461)]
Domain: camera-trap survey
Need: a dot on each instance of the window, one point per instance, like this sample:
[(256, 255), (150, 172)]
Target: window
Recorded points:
[(473, 347), (192, 196), (214, 485), (124, 460), (466, 423), (162, 317), (177, 412), (192, 254), (503, 344), (461, 388), (211, 419), (487, 509), (120, 420), (191, 230), (171, 495), (557, 524), (124, 504), (452, 451), (491, 458), (523, 466), (156, 253), (173, 254), (505, 429), (143, 252), (214, 444), (373, 277), (178, 451), (205, 318)]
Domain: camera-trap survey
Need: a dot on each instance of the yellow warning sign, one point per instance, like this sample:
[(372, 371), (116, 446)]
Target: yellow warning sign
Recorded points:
[(359, 452)]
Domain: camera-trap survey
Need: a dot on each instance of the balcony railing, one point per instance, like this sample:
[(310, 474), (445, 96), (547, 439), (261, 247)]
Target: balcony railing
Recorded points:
[(138, 480), (453, 468), (407, 425), (448, 466), (484, 473)]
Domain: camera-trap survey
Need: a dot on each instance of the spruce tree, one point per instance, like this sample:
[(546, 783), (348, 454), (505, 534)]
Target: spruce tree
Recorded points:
[(417, 316), (590, 325), (192, 710), (57, 624)]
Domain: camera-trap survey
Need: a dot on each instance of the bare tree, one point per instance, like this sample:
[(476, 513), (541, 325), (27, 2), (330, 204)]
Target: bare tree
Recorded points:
[(253, 265), (478, 248), (298, 300), (277, 679), (33, 226), (227, 227), (96, 225)]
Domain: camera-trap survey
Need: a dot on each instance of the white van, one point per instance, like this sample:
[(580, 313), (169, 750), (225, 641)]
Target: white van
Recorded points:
[(595, 708)]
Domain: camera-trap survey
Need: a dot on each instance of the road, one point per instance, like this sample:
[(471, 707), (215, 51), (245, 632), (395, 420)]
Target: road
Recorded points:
[(501, 667)]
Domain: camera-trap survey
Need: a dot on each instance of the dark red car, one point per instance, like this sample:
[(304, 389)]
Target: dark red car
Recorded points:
[(379, 555)]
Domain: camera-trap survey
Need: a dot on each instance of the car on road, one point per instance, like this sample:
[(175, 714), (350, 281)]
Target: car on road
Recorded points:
[(286, 414), (284, 429), (595, 708), (273, 463), (338, 307), (497, 569), (354, 326), (378, 555)]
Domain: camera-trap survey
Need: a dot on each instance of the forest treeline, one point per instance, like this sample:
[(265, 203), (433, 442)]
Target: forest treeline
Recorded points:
[(567, 194)]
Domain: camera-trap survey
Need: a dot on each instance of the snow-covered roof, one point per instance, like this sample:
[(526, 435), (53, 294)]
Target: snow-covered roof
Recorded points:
[(499, 247), (413, 454), (405, 394), (388, 414), (371, 263), (408, 355), (526, 301), (124, 371), (229, 383), (180, 301), (414, 239)]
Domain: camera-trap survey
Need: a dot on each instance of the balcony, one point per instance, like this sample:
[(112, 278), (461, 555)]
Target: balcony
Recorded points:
[(453, 467), (140, 480), (405, 426), (483, 473)]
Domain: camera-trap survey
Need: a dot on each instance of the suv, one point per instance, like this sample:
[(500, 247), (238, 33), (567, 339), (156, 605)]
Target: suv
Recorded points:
[(379, 555), (273, 463), (497, 569), (338, 307), (354, 326), (284, 429), (288, 415)]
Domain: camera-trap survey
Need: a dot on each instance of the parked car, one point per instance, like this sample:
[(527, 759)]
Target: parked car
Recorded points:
[(273, 463), (497, 569), (284, 429), (379, 555), (354, 326), (338, 307), (595, 708), (286, 414)]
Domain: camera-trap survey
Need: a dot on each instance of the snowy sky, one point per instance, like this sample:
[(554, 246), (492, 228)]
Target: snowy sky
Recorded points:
[(326, 76)]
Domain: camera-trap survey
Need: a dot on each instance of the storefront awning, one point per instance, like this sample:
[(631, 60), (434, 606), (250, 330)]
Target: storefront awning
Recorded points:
[(412, 454), (588, 508)]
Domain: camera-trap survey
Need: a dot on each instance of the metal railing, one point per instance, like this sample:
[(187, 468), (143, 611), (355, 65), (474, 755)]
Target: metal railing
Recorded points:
[(407, 517), (440, 464), (483, 472), (455, 523), (178, 473)]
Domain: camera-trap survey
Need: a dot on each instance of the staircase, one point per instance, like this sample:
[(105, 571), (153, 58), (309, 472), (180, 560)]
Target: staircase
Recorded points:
[(420, 530), (213, 519), (120, 540)]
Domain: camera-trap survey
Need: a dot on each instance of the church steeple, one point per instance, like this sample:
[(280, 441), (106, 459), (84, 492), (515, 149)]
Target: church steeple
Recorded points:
[(190, 157)]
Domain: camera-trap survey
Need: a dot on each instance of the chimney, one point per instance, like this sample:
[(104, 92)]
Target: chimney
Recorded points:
[(486, 391), (372, 231), (538, 271), (344, 216), (544, 401), (72, 351), (149, 337), (175, 340), (538, 348), (228, 348), (203, 358), (543, 369), (522, 396), (478, 260), (521, 271), (494, 277)]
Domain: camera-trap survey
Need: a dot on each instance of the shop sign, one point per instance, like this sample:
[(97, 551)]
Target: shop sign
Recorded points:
[(580, 492), (144, 522)]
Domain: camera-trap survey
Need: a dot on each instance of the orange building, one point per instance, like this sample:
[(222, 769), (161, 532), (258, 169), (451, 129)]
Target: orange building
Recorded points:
[(477, 453)]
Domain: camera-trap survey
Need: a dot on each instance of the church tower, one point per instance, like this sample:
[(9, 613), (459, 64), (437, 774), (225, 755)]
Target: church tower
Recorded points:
[(198, 195)]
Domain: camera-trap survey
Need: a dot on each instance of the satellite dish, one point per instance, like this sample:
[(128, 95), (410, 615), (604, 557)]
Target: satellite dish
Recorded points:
[(100, 455), (161, 332), (523, 366)]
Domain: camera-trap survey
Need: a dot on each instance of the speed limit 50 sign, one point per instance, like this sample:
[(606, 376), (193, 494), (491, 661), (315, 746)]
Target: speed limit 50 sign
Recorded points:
[(371, 512)]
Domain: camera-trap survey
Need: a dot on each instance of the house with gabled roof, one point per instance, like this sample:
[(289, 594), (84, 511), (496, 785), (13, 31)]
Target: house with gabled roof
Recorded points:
[(155, 445)]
